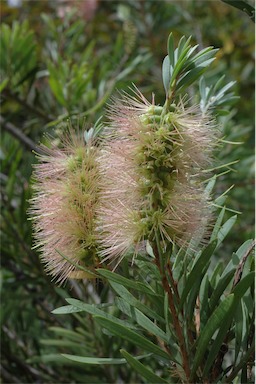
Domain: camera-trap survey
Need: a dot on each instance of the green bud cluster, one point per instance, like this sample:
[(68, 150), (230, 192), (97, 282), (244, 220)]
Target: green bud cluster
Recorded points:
[(155, 160)]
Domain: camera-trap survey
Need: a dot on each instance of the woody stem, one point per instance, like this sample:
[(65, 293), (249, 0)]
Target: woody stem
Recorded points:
[(176, 322)]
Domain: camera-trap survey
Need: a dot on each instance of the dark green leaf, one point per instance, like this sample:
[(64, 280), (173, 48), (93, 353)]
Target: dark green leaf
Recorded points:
[(94, 360), (55, 358), (138, 286), (225, 229), (218, 223), (244, 284), (220, 315), (198, 270), (127, 296), (63, 343), (94, 310), (203, 296), (141, 319), (67, 333), (189, 77), (3, 84), (219, 340), (220, 288), (133, 337), (57, 89), (141, 369), (240, 324)]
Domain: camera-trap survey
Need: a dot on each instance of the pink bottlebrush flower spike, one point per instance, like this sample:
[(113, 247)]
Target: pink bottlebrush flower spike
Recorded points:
[(151, 162), (63, 209)]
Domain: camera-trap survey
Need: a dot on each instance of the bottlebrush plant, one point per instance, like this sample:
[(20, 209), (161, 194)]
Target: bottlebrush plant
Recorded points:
[(134, 209)]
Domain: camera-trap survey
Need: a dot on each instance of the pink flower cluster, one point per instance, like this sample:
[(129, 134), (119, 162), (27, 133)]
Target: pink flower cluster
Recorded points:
[(98, 203)]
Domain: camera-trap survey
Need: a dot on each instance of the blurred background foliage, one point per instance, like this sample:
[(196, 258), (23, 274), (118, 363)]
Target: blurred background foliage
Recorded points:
[(65, 59)]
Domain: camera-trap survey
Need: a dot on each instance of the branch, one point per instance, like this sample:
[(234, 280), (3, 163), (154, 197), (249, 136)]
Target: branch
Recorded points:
[(10, 95), (243, 6), (240, 267), (240, 366), (18, 134), (176, 322)]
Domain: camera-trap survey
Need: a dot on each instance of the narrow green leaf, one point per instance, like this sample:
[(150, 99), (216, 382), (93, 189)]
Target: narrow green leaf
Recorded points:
[(244, 284), (189, 77), (63, 343), (138, 286), (166, 76), (133, 337), (221, 93), (80, 267), (190, 63), (216, 319), (141, 319), (170, 49), (229, 99), (205, 57), (57, 90), (94, 310), (183, 45), (54, 358), (141, 369), (219, 83), (202, 89), (179, 65), (178, 264), (3, 84), (203, 52), (243, 248), (127, 296), (210, 185), (203, 296), (94, 360), (225, 229), (239, 322), (217, 225), (237, 256), (66, 309), (219, 340), (189, 307), (75, 336), (220, 288), (198, 270)]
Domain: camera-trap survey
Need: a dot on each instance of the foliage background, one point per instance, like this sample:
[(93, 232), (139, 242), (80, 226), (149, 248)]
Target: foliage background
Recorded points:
[(82, 52)]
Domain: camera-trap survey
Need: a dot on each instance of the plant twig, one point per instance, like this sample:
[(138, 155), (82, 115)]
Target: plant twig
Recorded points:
[(16, 132), (10, 95), (175, 289), (240, 267), (240, 366), (176, 322)]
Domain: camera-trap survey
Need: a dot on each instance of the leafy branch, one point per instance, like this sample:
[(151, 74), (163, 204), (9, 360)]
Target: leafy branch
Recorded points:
[(242, 6)]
